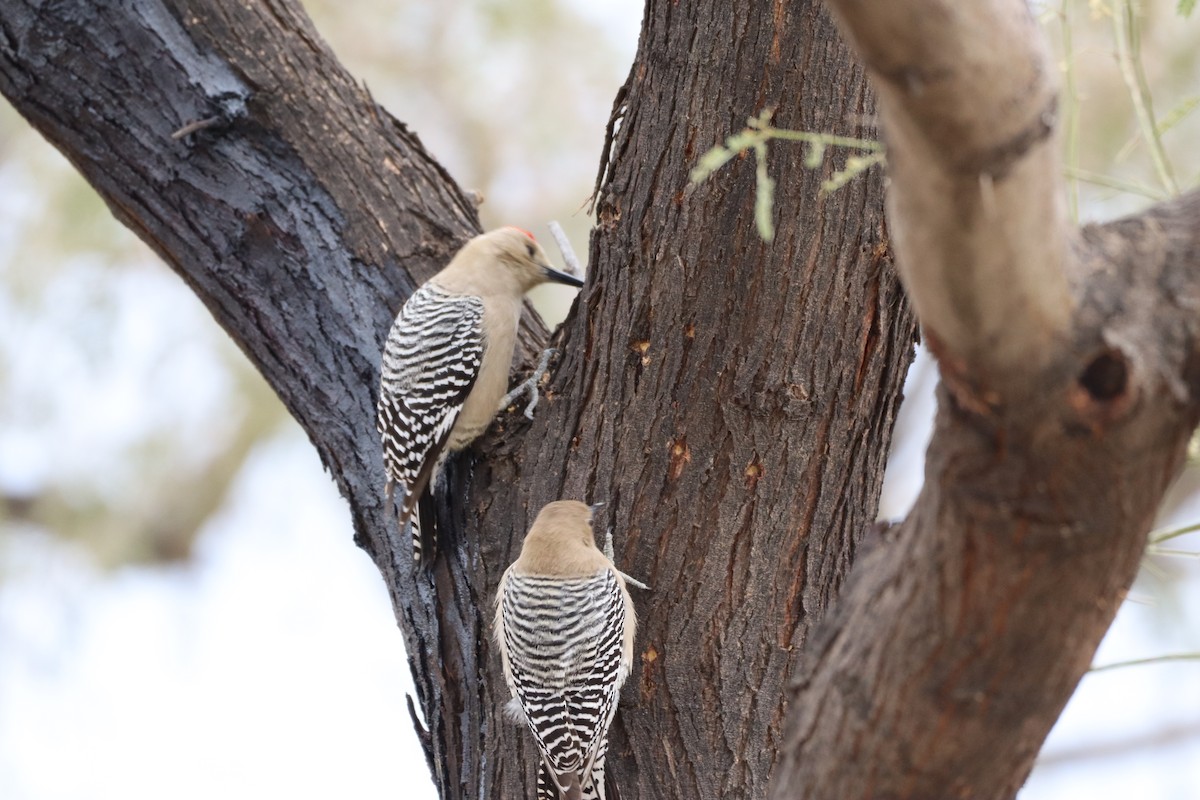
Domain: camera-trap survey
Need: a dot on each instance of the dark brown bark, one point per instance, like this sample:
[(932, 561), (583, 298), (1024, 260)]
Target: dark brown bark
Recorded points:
[(300, 212), (731, 401), (962, 635)]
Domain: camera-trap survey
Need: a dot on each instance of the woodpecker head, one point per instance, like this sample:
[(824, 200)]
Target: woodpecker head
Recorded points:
[(561, 542), (508, 259)]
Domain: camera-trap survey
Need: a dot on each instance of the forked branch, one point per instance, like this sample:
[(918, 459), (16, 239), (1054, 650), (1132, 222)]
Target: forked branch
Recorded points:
[(1070, 386)]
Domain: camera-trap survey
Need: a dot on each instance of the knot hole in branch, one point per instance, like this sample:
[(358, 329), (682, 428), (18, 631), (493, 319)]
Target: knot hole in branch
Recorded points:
[(1106, 376)]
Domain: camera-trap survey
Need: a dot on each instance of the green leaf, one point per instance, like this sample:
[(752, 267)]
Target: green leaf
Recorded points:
[(855, 166), (1117, 184), (764, 197), (1152, 660), (710, 162), (744, 140), (816, 155), (1186, 7), (1158, 537), (1179, 113)]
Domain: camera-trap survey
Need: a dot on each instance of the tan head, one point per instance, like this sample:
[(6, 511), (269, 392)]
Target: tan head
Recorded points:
[(504, 261), (561, 542)]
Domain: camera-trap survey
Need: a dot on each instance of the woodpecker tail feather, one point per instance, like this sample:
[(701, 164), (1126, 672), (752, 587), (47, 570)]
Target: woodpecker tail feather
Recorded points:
[(548, 787), (424, 531), (594, 789), (546, 790)]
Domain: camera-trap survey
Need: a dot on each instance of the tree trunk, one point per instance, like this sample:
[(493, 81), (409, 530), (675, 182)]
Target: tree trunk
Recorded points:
[(730, 401)]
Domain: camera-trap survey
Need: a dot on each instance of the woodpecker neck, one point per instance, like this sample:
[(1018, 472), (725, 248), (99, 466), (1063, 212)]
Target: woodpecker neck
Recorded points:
[(561, 542), (551, 555), (498, 283)]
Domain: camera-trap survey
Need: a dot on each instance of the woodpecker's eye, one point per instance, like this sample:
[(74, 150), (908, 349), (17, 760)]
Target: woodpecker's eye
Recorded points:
[(529, 248)]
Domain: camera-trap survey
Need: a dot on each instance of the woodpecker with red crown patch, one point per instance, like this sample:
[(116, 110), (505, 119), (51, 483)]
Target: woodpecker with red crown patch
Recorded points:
[(446, 361)]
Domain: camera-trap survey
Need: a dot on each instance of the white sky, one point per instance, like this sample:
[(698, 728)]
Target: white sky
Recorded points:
[(269, 667)]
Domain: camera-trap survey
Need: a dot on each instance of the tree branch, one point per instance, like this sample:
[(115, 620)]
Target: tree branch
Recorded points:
[(302, 217), (1070, 386), (968, 103), (965, 630), (731, 401)]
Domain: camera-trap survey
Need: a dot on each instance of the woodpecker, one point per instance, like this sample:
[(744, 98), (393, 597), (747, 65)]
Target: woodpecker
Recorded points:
[(446, 361), (564, 625)]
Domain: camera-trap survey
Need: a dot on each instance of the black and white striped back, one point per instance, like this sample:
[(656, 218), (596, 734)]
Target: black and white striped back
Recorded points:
[(430, 362), (564, 641)]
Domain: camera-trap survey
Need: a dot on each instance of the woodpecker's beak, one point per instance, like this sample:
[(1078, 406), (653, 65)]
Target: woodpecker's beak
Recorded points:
[(561, 277)]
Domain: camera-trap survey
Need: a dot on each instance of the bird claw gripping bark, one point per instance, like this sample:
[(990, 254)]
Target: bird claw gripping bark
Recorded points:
[(530, 385), (608, 552)]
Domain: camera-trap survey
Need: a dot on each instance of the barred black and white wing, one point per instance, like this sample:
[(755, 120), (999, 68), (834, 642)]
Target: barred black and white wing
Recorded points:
[(563, 653), (430, 362)]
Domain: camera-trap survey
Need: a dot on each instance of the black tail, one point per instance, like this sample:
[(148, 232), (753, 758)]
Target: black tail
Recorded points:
[(421, 525), (546, 790), (424, 531)]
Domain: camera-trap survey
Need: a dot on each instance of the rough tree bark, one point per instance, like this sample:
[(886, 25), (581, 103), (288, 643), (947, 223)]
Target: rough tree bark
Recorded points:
[(1070, 385), (730, 401)]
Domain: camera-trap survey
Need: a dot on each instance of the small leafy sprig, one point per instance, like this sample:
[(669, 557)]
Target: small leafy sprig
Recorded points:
[(758, 133)]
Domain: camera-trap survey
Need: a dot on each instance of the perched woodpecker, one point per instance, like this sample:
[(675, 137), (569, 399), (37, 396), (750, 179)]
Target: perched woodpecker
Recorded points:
[(447, 357), (564, 625)]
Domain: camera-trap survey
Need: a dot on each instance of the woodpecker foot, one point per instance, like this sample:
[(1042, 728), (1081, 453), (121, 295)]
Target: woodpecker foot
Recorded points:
[(608, 552), (530, 386)]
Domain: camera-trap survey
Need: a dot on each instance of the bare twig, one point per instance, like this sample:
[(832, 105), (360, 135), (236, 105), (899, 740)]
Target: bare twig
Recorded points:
[(195, 125), (608, 552), (564, 246), (1129, 59), (1070, 109), (1137, 662)]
